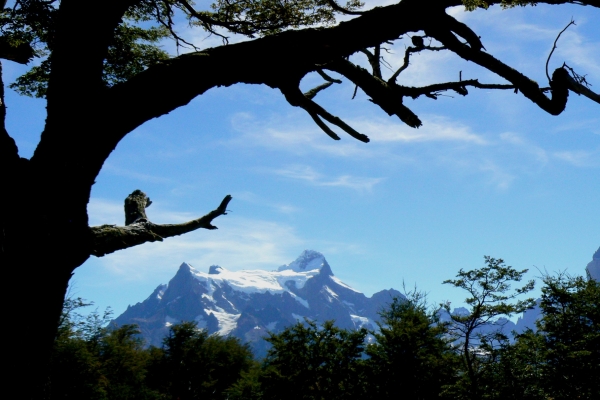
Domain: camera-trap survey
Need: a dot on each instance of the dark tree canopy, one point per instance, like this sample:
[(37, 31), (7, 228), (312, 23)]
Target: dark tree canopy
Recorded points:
[(103, 74)]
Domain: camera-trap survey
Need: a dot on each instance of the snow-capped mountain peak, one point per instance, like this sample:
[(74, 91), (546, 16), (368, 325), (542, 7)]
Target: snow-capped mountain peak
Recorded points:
[(215, 270), (250, 303), (309, 260)]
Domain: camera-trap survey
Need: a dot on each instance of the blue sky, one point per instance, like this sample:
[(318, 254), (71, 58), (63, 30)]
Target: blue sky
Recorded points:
[(487, 174)]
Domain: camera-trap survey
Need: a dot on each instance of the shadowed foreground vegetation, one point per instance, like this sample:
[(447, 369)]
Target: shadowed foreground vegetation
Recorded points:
[(413, 355)]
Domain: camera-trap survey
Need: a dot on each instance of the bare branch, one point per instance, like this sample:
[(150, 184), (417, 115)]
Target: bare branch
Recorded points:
[(314, 91), (374, 59), (327, 77), (554, 47), (409, 51), (323, 126), (530, 89), (296, 98), (459, 87), (386, 96), (138, 229), (581, 89)]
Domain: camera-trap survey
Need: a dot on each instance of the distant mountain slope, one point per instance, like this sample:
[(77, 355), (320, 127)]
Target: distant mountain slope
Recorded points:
[(248, 304), (593, 268), (529, 317)]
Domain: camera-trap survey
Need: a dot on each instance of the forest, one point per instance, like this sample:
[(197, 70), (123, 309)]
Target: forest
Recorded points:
[(413, 355)]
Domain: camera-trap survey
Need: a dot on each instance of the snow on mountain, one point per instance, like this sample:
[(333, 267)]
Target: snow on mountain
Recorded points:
[(250, 303), (593, 268)]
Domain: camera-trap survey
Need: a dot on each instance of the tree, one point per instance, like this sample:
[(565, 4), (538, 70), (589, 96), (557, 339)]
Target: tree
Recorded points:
[(411, 357), (570, 332), (516, 370), (102, 75), (490, 296), (92, 361), (195, 365), (561, 360), (311, 362)]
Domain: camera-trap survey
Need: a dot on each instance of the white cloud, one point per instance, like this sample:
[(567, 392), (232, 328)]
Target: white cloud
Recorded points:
[(579, 53), (264, 202), (102, 211), (290, 134), (498, 176), (434, 129), (308, 174), (523, 144), (580, 158), (114, 170), (239, 244)]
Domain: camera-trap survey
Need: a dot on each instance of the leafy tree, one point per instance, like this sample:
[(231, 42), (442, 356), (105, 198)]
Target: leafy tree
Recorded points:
[(411, 357), (75, 370), (92, 361), (516, 370), (561, 359), (311, 362), (570, 330), (124, 363), (195, 365), (490, 296), (122, 78), (248, 387)]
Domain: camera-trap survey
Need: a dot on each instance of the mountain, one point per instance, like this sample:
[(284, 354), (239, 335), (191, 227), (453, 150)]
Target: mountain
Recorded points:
[(593, 268), (529, 317), (249, 304)]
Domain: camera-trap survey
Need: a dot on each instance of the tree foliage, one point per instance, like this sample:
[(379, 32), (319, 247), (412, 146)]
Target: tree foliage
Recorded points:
[(197, 365), (411, 356), (490, 296), (311, 362), (571, 336)]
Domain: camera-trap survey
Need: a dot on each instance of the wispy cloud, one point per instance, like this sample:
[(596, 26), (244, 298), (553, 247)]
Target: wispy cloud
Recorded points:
[(114, 170), (308, 174), (525, 145), (238, 244), (263, 202), (301, 137), (293, 133), (103, 211), (580, 54), (498, 176), (434, 129), (580, 158)]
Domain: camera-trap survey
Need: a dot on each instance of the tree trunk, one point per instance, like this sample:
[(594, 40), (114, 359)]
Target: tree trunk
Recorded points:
[(44, 238)]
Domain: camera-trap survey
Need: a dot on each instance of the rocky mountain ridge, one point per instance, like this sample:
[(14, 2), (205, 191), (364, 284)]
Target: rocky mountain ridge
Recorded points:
[(248, 304)]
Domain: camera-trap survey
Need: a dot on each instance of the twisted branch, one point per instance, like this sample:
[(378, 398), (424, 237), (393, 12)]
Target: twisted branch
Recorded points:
[(138, 229), (530, 89)]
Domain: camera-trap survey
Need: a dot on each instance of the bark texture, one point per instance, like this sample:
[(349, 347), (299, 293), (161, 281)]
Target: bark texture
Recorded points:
[(139, 230)]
